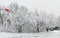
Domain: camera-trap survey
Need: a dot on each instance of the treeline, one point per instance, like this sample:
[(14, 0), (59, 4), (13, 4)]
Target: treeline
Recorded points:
[(20, 19)]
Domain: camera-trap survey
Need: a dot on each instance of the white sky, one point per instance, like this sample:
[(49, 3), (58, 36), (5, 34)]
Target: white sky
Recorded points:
[(51, 6)]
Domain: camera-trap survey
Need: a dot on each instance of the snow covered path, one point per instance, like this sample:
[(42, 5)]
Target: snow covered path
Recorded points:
[(30, 35)]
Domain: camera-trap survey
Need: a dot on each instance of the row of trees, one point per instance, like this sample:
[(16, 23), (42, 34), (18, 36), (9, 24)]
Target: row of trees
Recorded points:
[(22, 20)]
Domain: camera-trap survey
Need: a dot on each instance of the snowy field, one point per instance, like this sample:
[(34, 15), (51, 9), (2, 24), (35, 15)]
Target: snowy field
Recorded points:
[(55, 34)]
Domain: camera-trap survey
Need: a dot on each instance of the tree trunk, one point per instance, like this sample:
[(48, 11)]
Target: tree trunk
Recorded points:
[(19, 29), (37, 29)]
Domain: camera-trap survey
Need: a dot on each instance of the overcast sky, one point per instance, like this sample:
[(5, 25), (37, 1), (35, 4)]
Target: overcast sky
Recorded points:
[(50, 6)]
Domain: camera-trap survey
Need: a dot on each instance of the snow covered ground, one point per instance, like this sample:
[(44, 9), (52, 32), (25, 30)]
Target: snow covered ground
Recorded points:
[(30, 35)]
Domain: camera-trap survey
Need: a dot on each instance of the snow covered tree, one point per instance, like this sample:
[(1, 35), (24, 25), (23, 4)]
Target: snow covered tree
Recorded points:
[(41, 21)]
